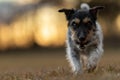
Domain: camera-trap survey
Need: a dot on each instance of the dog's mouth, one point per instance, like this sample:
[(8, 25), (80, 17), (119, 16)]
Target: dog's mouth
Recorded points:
[(82, 45)]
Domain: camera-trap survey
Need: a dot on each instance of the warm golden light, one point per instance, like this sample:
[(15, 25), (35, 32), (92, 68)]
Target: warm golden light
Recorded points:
[(118, 22), (43, 27), (25, 1), (49, 29), (5, 37)]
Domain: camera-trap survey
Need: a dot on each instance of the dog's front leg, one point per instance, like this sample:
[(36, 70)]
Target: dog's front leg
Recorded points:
[(93, 59), (74, 60)]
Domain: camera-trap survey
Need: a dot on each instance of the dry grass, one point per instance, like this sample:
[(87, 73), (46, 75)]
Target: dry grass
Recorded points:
[(55, 67), (61, 73)]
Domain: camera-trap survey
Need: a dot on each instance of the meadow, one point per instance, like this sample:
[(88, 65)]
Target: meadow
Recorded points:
[(24, 23), (51, 65)]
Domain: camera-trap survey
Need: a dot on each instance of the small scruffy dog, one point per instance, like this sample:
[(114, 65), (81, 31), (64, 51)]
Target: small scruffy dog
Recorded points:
[(84, 38)]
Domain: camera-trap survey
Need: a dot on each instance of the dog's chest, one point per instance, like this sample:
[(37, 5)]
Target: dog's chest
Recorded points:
[(87, 50)]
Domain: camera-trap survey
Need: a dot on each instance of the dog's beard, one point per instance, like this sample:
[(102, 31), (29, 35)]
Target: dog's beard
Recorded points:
[(78, 43), (82, 45)]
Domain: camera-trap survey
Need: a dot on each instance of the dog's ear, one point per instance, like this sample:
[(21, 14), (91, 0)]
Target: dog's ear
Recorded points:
[(95, 10), (68, 12)]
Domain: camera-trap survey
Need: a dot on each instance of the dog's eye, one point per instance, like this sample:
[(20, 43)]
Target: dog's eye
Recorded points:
[(74, 24)]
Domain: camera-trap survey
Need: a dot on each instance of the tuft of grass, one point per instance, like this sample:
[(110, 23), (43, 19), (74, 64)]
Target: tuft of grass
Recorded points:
[(63, 73)]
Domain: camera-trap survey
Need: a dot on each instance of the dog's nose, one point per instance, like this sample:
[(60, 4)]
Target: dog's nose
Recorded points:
[(81, 38)]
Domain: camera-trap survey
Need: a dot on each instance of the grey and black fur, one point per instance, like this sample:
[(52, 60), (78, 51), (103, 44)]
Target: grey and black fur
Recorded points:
[(84, 38)]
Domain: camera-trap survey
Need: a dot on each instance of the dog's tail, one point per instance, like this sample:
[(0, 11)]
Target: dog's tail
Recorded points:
[(85, 6)]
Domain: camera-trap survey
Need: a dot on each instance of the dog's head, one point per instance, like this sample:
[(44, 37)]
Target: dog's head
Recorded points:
[(82, 23)]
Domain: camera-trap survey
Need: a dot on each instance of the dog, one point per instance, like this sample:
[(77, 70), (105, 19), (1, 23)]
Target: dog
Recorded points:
[(84, 38)]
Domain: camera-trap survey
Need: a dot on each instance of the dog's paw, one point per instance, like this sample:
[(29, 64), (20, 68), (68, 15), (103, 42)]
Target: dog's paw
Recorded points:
[(92, 68)]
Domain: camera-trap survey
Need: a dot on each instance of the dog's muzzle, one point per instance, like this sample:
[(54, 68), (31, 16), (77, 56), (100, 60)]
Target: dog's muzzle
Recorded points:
[(82, 45)]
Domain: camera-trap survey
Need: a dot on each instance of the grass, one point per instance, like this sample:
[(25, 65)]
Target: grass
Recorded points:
[(55, 67), (62, 73)]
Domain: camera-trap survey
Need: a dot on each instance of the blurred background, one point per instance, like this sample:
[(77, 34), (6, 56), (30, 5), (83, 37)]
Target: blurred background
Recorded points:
[(33, 33)]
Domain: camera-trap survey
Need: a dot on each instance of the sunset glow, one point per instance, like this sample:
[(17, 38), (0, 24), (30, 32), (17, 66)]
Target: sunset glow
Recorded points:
[(44, 28), (47, 31), (118, 22)]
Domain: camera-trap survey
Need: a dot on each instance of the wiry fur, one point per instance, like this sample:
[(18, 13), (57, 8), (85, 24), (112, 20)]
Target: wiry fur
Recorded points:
[(91, 54), (87, 57)]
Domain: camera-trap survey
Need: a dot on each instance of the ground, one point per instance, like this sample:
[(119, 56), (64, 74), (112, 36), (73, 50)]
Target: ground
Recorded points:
[(52, 65)]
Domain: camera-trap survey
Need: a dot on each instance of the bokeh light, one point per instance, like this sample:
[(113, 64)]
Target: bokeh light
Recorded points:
[(46, 27), (118, 23)]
